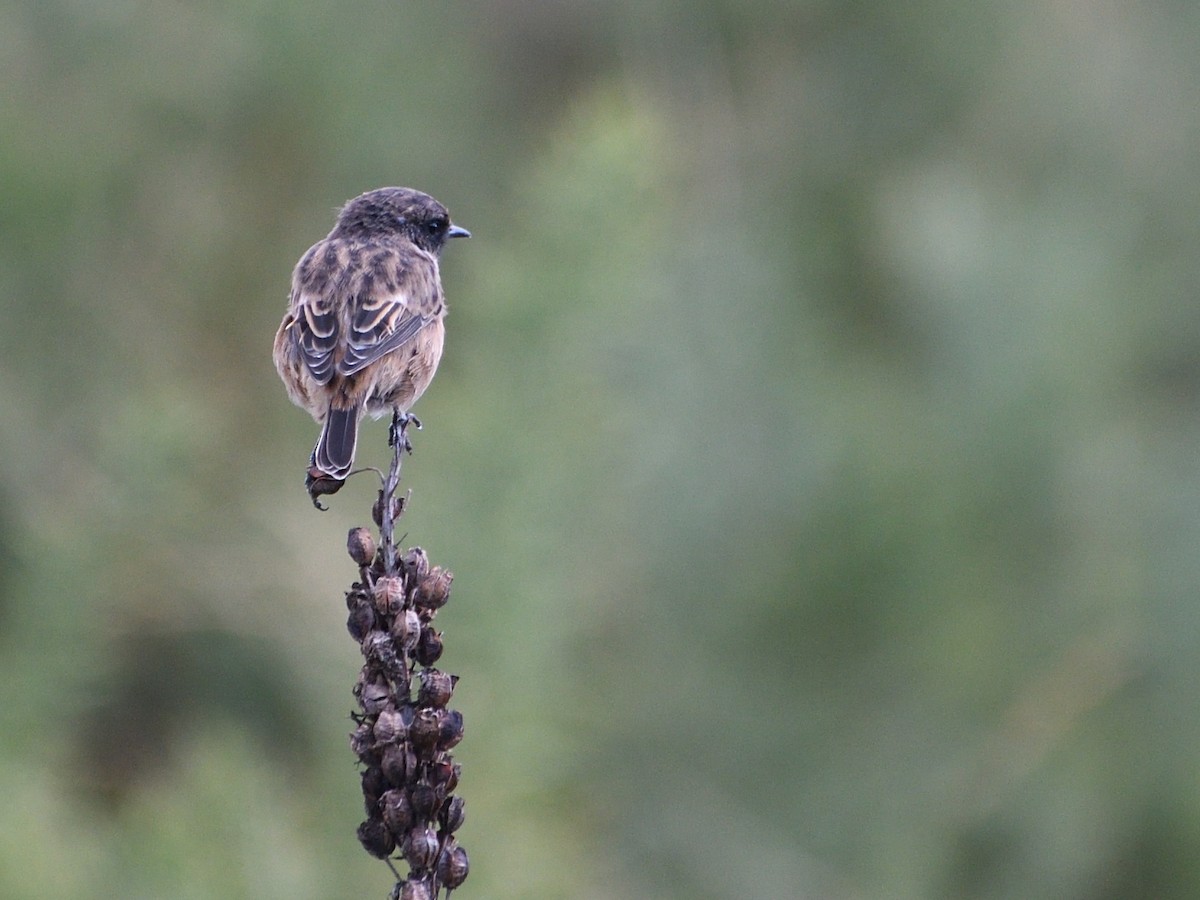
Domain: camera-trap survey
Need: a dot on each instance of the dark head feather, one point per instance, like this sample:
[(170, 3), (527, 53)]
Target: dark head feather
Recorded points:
[(398, 211)]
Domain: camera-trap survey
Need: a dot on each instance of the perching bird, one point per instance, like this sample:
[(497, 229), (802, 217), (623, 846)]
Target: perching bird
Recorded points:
[(363, 330)]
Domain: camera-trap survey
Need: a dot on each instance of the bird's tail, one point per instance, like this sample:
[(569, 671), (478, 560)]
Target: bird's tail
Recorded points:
[(334, 453)]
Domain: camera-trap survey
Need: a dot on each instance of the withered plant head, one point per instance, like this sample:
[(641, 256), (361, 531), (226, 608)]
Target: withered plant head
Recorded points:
[(405, 728)]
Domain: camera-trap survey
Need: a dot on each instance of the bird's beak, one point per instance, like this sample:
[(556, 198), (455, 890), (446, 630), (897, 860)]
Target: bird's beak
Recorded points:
[(457, 231)]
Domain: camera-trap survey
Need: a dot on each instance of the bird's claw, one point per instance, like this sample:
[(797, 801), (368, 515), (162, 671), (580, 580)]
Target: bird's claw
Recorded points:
[(398, 432)]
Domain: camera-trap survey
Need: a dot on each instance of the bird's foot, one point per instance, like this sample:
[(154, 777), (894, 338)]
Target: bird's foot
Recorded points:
[(398, 432)]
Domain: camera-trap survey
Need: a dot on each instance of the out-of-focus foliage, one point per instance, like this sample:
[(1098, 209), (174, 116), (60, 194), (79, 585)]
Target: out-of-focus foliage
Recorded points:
[(815, 445)]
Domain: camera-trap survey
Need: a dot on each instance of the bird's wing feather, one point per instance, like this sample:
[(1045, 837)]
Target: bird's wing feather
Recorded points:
[(315, 333), (380, 323)]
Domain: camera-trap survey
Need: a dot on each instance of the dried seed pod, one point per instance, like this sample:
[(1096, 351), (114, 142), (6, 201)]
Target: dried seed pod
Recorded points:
[(357, 595), (360, 544), (398, 763), (406, 628), (416, 564), (436, 688), (392, 726), (434, 589), (426, 728), (397, 811), (373, 787), (413, 890), (451, 730), (380, 651), (318, 484), (360, 621), (443, 775), (360, 741), (424, 800), (421, 848), (376, 839), (377, 509), (429, 647), (452, 814), (452, 865), (374, 696), (389, 595)]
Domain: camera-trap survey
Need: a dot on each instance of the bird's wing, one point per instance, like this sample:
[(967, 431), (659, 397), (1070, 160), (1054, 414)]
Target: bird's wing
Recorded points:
[(380, 323), (372, 304), (315, 333)]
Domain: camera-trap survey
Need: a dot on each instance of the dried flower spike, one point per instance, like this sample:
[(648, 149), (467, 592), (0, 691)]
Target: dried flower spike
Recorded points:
[(404, 732)]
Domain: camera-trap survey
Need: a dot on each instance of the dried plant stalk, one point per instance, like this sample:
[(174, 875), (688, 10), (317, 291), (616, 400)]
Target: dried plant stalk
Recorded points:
[(405, 726)]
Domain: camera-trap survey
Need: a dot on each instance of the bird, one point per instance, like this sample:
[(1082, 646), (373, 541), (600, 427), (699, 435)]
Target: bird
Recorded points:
[(364, 326)]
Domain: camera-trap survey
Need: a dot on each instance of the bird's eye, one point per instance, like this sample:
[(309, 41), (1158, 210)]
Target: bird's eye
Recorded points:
[(436, 226)]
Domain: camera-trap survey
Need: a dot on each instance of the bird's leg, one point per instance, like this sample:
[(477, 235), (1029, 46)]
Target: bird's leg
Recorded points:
[(398, 432), (395, 429)]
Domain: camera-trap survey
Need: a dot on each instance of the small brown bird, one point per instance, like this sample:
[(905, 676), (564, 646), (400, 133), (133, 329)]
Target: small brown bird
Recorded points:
[(363, 330)]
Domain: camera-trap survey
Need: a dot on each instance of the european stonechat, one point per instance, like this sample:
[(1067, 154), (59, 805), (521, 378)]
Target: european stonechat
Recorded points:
[(364, 326)]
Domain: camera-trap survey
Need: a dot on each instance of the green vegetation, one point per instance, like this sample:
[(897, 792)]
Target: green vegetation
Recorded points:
[(817, 445)]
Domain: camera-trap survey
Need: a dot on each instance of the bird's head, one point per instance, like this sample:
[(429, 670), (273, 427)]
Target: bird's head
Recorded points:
[(401, 211)]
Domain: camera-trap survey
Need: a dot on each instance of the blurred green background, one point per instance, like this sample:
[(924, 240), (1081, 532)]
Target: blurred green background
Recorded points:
[(816, 444)]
